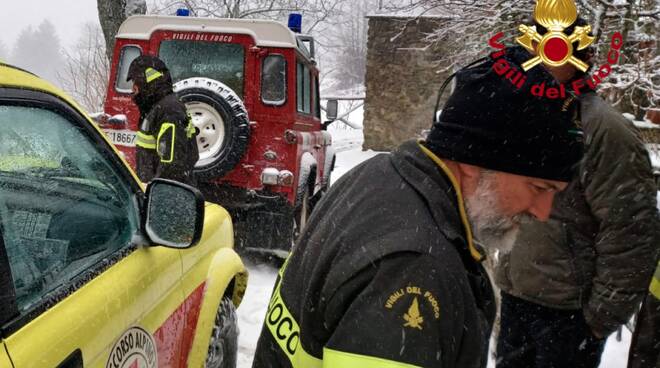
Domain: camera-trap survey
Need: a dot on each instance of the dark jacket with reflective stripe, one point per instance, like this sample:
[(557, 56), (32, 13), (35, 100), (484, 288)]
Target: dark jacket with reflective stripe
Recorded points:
[(382, 273), (597, 251), (170, 151), (645, 345)]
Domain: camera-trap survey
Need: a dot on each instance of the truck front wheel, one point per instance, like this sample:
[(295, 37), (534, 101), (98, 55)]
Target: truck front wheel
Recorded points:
[(223, 348)]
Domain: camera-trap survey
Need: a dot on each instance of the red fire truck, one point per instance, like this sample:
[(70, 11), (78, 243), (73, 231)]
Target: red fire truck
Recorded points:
[(251, 88)]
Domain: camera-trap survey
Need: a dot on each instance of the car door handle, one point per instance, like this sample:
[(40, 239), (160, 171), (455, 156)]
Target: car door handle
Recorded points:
[(74, 360)]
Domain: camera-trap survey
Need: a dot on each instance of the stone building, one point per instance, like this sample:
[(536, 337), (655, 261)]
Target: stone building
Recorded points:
[(402, 79)]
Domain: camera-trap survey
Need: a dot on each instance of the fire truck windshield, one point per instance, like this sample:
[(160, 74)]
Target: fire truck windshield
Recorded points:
[(223, 62)]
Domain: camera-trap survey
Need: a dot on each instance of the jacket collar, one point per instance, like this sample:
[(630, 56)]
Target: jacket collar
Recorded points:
[(434, 181)]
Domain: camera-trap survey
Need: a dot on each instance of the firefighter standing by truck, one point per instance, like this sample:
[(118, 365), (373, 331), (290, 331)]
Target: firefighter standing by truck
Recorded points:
[(166, 141), (386, 273)]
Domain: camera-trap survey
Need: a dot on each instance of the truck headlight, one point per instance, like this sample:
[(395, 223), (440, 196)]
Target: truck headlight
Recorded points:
[(270, 176), (285, 178)]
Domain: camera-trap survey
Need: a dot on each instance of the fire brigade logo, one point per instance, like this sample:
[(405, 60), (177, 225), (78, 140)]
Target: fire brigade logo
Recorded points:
[(413, 314), (413, 318), (555, 48)]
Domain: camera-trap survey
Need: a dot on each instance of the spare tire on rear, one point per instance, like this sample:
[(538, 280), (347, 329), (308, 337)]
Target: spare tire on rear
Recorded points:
[(222, 124)]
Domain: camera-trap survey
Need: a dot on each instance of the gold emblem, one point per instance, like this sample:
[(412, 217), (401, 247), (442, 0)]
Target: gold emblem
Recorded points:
[(555, 48), (413, 318)]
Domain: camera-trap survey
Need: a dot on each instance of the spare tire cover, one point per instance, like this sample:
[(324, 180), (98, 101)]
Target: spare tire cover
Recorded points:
[(222, 124)]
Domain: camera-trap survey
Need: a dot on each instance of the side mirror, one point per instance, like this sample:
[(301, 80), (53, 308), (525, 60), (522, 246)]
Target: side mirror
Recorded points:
[(330, 113), (175, 214), (331, 110)]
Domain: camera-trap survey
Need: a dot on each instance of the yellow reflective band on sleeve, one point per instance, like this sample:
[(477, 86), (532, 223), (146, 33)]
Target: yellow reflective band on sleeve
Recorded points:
[(286, 262), (654, 289), (459, 195), (152, 74), (163, 129), (334, 358), (286, 331), (145, 141)]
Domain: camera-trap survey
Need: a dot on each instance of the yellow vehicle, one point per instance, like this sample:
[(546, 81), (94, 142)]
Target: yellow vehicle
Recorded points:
[(95, 271)]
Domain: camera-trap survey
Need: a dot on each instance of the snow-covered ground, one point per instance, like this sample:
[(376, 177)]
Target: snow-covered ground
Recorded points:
[(262, 278), (252, 311)]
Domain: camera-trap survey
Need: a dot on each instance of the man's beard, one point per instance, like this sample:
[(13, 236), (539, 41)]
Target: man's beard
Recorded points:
[(493, 229)]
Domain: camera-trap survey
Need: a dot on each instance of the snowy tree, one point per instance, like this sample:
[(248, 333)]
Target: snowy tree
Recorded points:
[(112, 14), (468, 26), (85, 74), (316, 10), (39, 51), (347, 45), (634, 85)]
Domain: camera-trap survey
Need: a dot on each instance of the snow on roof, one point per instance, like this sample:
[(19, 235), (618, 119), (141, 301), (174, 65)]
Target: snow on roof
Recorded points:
[(641, 124), (266, 33), (645, 124)]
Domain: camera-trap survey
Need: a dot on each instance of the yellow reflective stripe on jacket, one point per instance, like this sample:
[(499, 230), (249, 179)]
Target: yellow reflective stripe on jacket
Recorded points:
[(163, 129), (152, 74), (334, 358), (286, 331), (145, 140), (655, 283), (459, 195)]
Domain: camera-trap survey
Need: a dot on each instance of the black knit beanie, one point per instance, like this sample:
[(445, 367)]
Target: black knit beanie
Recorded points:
[(153, 78), (490, 123)]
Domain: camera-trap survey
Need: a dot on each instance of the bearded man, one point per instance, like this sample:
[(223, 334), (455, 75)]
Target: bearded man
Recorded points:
[(386, 273)]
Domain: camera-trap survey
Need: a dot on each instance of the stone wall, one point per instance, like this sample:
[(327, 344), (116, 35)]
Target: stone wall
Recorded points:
[(402, 80)]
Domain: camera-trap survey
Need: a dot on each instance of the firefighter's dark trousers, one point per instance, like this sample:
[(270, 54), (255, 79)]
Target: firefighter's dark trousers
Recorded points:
[(534, 336)]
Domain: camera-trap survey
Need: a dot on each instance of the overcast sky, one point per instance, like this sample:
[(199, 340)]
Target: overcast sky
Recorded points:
[(66, 15)]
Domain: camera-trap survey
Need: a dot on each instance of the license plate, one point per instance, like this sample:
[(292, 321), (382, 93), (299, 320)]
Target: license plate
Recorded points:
[(124, 138)]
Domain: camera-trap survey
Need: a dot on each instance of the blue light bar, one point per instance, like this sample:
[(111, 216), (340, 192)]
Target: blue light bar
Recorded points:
[(295, 22), (182, 12)]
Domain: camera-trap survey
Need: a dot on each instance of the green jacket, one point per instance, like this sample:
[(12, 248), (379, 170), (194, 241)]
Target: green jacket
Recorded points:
[(597, 252)]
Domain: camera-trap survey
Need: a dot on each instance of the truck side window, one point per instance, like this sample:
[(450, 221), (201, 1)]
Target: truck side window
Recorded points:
[(128, 54), (303, 89), (317, 102), (273, 80)]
